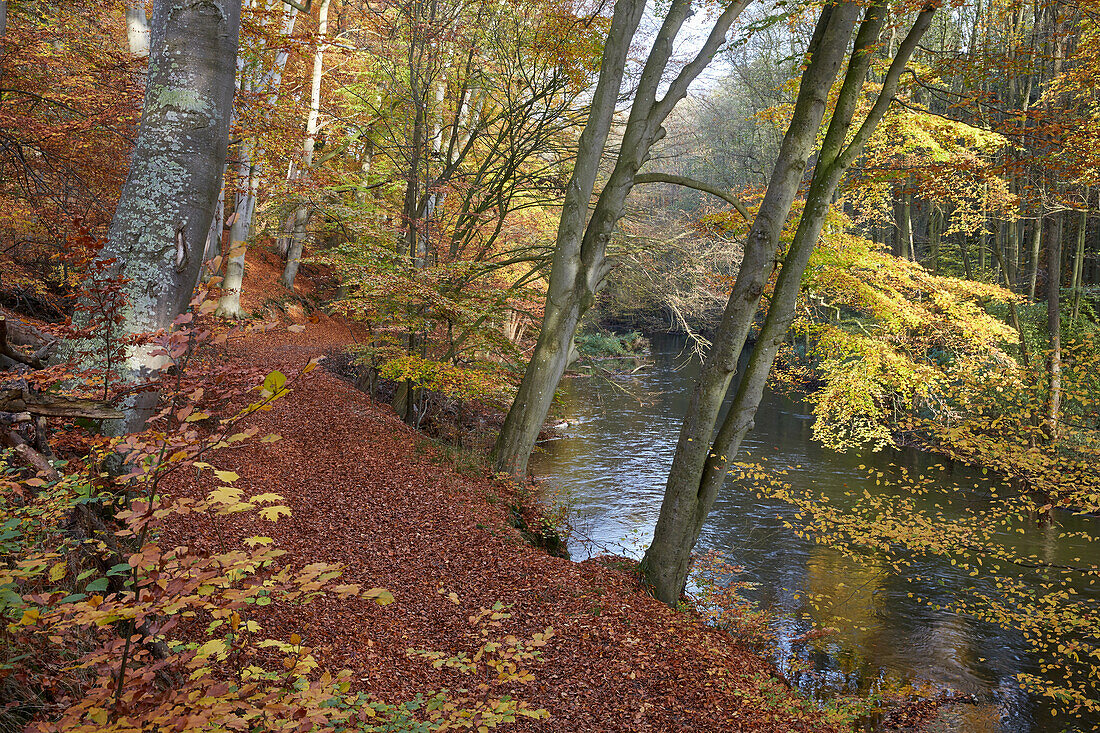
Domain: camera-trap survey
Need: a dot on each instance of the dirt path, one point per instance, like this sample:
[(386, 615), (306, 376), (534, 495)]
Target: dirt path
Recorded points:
[(363, 494)]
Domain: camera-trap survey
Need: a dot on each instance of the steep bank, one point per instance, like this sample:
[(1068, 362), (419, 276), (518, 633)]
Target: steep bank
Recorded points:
[(366, 492)]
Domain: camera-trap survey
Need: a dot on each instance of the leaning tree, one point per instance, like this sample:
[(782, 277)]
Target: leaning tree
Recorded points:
[(703, 457), (579, 262)]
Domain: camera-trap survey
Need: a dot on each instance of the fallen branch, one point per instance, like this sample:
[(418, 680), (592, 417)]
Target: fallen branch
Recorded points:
[(15, 354), (29, 455), (22, 333), (698, 186), (18, 400)]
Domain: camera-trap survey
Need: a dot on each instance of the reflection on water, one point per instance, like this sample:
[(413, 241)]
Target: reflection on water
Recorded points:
[(612, 462)]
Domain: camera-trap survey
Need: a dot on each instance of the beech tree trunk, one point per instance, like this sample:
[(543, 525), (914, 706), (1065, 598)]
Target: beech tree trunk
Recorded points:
[(249, 172), (1079, 258), (213, 246), (163, 217), (244, 200), (935, 227), (301, 216), (137, 29), (579, 263), (700, 462), (1036, 241), (1054, 325)]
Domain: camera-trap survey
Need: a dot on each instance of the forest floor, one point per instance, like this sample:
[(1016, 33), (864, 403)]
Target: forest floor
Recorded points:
[(372, 494)]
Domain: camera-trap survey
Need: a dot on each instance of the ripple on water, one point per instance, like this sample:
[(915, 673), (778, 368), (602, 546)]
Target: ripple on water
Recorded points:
[(612, 461)]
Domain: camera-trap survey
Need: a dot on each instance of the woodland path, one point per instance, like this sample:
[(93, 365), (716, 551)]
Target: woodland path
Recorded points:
[(362, 493)]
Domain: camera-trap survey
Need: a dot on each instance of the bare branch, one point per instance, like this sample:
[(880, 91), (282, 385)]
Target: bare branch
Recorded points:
[(697, 185)]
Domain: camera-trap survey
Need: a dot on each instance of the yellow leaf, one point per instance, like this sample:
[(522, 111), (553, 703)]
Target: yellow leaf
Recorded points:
[(227, 495), (274, 512), (226, 476), (57, 572), (211, 648), (267, 498), (274, 382), (381, 596), (253, 541)]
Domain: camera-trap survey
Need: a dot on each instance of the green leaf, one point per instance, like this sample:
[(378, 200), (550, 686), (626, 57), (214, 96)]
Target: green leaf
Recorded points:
[(99, 584), (381, 596), (274, 382)]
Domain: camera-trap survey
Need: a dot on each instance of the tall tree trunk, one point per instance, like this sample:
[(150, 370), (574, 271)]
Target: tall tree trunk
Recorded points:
[(1013, 312), (301, 216), (213, 246), (983, 240), (935, 227), (248, 182), (579, 263), (1054, 324), (968, 272), (250, 168), (1013, 259), (163, 217), (365, 164), (1036, 241), (700, 463), (3, 32), (1079, 257)]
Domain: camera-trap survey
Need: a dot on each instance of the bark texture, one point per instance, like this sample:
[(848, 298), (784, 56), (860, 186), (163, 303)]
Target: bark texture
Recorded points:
[(301, 216), (163, 217)]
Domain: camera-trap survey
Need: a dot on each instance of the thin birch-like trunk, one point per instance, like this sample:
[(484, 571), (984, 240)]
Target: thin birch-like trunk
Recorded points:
[(1036, 241), (301, 216), (1054, 325), (1079, 258), (250, 171), (244, 206)]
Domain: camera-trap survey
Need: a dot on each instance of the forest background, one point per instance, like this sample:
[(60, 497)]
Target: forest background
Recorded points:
[(417, 158)]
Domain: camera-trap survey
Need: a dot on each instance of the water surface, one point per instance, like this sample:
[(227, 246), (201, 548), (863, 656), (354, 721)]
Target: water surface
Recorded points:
[(612, 461)]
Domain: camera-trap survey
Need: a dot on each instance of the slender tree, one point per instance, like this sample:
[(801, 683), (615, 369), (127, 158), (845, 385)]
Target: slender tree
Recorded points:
[(700, 462), (579, 262), (253, 77), (301, 216)]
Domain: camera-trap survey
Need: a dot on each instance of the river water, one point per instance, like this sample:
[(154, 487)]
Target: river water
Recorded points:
[(611, 463)]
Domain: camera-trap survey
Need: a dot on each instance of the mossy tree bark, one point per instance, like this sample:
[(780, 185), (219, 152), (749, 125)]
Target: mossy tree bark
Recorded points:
[(701, 461), (160, 227)]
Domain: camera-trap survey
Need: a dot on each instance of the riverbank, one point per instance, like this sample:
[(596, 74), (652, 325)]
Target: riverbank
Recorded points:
[(369, 492), (366, 491)]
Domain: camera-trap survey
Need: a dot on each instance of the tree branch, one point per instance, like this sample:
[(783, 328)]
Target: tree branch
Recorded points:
[(17, 400), (697, 185)]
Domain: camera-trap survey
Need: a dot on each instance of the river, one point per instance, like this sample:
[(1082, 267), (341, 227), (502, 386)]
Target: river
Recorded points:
[(611, 463)]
